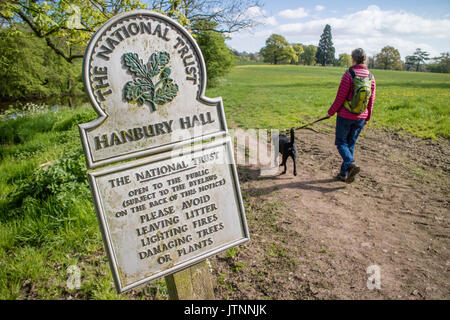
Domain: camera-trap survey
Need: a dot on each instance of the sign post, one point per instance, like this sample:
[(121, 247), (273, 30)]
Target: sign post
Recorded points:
[(162, 171), (194, 283)]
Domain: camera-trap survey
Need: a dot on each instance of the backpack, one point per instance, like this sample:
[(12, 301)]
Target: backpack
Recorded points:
[(362, 90)]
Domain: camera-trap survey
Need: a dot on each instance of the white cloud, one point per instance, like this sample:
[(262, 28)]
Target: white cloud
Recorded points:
[(271, 21), (371, 29), (254, 12), (259, 15), (319, 8), (374, 21), (374, 28), (293, 14)]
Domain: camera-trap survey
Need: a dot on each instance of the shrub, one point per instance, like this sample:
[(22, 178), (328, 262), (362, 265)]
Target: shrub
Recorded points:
[(19, 126), (72, 120), (65, 180)]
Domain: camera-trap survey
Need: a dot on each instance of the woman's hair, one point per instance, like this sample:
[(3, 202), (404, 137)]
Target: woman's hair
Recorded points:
[(359, 56)]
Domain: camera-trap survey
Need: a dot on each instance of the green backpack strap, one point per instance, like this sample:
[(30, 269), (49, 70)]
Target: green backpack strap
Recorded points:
[(346, 102), (352, 73)]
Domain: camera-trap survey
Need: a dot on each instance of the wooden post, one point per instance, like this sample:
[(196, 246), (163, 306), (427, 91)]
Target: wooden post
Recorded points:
[(193, 283)]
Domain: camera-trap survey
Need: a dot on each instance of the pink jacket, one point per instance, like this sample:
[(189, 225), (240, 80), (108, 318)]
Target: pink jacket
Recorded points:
[(345, 91)]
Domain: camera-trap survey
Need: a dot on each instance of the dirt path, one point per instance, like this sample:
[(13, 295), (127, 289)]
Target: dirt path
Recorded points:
[(314, 237)]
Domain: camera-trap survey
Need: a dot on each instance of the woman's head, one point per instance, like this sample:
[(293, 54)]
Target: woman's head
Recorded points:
[(358, 56)]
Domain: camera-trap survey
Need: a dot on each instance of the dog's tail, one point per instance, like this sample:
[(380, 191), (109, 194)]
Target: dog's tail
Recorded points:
[(292, 136)]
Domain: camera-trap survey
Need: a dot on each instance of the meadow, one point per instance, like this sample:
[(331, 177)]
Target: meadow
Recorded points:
[(266, 96), (47, 219)]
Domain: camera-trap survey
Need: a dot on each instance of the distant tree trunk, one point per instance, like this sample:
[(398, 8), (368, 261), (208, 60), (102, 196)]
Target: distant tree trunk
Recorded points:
[(69, 80)]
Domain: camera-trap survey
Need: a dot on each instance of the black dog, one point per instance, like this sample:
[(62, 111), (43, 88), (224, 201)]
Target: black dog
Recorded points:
[(288, 148)]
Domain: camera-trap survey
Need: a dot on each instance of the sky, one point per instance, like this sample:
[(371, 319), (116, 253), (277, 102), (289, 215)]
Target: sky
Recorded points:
[(371, 25)]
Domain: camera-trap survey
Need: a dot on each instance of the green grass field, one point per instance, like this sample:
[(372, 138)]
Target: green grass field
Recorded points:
[(47, 219), (265, 96)]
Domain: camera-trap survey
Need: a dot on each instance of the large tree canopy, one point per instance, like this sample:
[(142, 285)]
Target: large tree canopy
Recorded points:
[(306, 54), (30, 69), (278, 50), (388, 59), (69, 24), (309, 55), (65, 24), (345, 60)]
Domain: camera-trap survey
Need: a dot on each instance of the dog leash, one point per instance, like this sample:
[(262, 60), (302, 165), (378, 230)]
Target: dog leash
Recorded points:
[(306, 125), (309, 124)]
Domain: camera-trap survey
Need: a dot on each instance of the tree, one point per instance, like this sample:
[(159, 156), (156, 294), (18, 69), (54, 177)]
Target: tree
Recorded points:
[(345, 60), (325, 51), (255, 57), (218, 57), (299, 50), (309, 55), (388, 59), (441, 64), (75, 21), (70, 21), (277, 50), (418, 59), (246, 58), (66, 26), (410, 63), (30, 69)]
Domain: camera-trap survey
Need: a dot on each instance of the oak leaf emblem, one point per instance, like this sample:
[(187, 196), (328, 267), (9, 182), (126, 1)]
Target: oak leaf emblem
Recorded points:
[(152, 83)]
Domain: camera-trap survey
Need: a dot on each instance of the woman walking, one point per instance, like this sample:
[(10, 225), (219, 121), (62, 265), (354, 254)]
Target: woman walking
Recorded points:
[(353, 104)]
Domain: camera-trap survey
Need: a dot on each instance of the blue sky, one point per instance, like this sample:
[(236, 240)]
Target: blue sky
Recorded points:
[(405, 25)]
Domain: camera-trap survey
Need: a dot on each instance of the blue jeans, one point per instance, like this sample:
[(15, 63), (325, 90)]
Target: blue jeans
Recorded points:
[(347, 132)]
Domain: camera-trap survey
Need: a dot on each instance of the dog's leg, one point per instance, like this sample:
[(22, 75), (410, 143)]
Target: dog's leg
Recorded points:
[(284, 163), (283, 160)]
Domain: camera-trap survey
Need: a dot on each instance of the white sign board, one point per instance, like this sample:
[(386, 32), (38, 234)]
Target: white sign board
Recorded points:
[(176, 199)]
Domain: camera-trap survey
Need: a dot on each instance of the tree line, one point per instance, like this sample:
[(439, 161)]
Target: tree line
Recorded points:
[(42, 42), (279, 51), (420, 61)]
